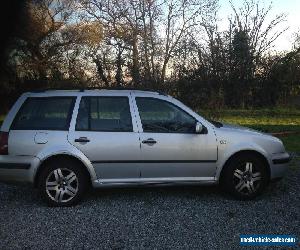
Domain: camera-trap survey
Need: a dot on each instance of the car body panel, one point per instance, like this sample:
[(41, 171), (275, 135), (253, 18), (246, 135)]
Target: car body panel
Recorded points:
[(230, 143), (18, 168), (153, 182), (178, 155), (109, 151), (66, 150), (24, 142)]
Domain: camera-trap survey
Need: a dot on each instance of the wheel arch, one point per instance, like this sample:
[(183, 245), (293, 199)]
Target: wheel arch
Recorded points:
[(89, 171), (256, 153)]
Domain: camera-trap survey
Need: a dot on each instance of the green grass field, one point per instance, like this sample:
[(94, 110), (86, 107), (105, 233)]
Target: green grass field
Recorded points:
[(1, 118), (292, 143), (266, 120)]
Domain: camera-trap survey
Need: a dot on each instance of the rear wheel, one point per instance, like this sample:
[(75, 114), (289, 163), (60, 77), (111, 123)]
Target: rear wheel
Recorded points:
[(62, 182), (245, 176)]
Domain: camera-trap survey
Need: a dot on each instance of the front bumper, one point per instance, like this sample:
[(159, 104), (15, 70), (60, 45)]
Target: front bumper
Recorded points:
[(279, 165), (18, 168)]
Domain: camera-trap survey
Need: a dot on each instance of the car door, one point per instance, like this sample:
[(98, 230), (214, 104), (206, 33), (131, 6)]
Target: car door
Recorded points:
[(170, 148), (104, 132)]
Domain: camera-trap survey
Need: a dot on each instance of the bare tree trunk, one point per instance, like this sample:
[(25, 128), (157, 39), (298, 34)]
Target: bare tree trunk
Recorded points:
[(119, 66), (145, 41), (164, 70), (135, 61), (152, 42), (100, 71)]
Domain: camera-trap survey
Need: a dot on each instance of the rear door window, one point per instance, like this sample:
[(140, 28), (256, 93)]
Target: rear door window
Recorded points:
[(45, 113), (107, 114)]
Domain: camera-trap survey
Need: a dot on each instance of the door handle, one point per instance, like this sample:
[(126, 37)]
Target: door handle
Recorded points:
[(149, 141), (82, 139)]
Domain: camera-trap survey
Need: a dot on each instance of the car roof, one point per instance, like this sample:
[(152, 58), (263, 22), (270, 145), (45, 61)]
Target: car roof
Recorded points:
[(91, 92)]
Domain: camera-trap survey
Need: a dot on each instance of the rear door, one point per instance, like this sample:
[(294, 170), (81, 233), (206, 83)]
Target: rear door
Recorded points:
[(105, 133)]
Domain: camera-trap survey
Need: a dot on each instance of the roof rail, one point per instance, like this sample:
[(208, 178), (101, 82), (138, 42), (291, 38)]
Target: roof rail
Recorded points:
[(122, 88), (99, 88), (48, 89)]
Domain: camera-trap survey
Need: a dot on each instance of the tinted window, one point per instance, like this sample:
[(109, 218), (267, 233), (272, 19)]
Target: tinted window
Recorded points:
[(164, 117), (51, 113), (104, 114)]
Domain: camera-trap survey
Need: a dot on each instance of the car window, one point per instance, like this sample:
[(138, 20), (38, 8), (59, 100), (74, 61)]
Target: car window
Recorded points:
[(104, 114), (164, 117), (45, 113)]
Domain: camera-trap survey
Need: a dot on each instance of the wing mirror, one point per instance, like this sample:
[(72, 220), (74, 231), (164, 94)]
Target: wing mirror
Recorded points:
[(198, 128)]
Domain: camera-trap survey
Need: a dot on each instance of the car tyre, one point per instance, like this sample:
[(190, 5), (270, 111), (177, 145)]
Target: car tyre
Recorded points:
[(245, 176), (62, 182)]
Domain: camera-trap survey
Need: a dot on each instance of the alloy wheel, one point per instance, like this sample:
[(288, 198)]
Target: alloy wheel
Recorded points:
[(62, 185), (247, 179)]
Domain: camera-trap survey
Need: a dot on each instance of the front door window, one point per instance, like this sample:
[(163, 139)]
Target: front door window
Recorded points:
[(159, 116)]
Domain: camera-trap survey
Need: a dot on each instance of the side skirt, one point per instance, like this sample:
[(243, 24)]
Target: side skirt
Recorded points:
[(154, 182)]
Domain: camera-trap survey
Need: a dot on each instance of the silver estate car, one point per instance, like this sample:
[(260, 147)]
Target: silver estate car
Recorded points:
[(65, 141)]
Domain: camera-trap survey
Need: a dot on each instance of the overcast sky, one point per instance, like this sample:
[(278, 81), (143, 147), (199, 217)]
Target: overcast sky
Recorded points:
[(290, 7)]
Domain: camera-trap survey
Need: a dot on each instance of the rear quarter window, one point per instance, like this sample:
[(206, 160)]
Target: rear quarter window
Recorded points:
[(44, 113)]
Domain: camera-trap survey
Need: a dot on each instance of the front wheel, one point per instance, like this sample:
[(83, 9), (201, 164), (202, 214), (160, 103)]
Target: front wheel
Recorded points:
[(245, 177), (62, 183)]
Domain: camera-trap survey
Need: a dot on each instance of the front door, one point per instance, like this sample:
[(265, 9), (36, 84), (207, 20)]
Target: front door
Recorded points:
[(104, 133), (170, 148)]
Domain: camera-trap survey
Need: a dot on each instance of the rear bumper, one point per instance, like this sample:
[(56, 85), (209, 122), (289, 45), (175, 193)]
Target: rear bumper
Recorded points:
[(279, 165), (18, 168)]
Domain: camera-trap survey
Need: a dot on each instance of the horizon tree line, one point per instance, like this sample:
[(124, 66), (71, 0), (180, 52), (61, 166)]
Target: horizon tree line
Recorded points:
[(175, 46)]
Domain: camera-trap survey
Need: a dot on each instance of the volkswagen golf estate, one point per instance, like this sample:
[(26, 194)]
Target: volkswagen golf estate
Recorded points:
[(65, 141)]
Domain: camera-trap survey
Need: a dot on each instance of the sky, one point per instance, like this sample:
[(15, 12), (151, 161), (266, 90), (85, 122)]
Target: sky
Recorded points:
[(289, 7)]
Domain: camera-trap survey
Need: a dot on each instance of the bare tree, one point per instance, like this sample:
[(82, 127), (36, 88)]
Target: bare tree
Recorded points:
[(149, 31), (182, 16), (121, 23), (253, 19)]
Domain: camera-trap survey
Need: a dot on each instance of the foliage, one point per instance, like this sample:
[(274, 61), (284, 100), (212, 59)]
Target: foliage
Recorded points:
[(174, 46)]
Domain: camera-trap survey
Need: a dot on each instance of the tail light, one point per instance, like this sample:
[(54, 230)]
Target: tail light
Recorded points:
[(3, 143)]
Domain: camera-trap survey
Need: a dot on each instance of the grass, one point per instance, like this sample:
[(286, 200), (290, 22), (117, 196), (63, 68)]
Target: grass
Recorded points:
[(1, 119), (292, 143), (265, 120), (269, 121)]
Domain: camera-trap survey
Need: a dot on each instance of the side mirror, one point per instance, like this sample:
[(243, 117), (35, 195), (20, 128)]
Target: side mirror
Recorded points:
[(198, 128)]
